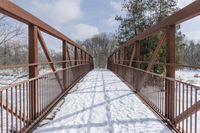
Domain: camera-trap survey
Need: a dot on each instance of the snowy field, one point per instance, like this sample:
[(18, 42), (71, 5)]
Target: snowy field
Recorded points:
[(189, 76), (102, 103), (11, 76)]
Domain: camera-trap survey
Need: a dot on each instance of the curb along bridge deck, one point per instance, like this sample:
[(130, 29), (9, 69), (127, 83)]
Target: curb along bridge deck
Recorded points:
[(26, 103)]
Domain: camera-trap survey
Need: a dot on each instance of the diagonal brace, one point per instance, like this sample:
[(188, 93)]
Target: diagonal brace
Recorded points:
[(132, 55), (154, 58), (185, 114), (44, 47), (7, 106)]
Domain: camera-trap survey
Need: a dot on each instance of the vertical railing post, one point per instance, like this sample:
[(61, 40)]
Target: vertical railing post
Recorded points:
[(170, 72), (75, 55), (64, 64), (119, 55), (125, 55), (118, 62), (92, 62), (81, 56), (108, 63), (33, 71), (137, 75), (85, 58), (89, 61), (115, 58)]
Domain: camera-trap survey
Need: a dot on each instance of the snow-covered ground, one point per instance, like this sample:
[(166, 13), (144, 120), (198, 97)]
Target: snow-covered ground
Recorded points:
[(11, 76), (189, 76), (99, 93), (102, 103)]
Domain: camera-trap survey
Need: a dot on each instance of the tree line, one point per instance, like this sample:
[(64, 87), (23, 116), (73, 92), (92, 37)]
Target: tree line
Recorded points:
[(192, 53), (14, 44), (139, 15)]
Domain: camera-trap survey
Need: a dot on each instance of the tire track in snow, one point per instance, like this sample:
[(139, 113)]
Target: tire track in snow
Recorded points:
[(107, 100), (92, 104)]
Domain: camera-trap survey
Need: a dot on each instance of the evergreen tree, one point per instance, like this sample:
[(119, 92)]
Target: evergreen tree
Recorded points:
[(142, 14)]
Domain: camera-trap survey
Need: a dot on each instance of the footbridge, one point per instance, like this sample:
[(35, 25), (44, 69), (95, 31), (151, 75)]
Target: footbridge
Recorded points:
[(72, 97)]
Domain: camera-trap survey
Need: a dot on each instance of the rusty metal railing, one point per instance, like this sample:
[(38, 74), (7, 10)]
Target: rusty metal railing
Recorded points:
[(185, 96), (16, 99), (177, 102), (24, 104)]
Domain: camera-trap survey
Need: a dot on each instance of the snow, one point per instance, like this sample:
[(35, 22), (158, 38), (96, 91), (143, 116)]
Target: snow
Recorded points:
[(189, 76), (11, 76), (100, 103)]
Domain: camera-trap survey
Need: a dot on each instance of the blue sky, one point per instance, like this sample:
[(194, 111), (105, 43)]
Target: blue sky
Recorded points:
[(81, 19), (78, 19)]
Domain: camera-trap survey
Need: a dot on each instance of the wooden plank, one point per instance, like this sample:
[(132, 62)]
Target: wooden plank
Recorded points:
[(47, 54)]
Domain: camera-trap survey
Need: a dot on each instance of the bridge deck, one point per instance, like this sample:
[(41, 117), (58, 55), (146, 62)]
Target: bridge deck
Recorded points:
[(101, 102)]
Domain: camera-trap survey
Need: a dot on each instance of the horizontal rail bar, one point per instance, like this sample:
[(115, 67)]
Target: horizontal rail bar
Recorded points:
[(158, 75), (28, 80), (36, 64), (166, 64)]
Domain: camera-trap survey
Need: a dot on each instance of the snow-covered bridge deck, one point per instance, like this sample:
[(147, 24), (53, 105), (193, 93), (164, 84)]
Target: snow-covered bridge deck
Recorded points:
[(100, 103)]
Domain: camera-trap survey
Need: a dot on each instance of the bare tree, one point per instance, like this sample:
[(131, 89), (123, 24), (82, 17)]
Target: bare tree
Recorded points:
[(100, 47), (192, 53), (10, 40)]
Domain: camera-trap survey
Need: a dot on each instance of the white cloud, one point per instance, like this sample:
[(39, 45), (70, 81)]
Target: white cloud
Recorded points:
[(116, 6), (193, 35), (112, 22), (59, 11), (84, 31), (190, 27)]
